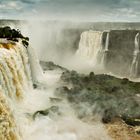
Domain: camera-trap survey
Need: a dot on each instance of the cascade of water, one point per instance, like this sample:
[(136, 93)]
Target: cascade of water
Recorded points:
[(135, 61), (105, 51), (89, 45), (14, 61), (15, 78), (107, 42), (36, 70), (8, 129)]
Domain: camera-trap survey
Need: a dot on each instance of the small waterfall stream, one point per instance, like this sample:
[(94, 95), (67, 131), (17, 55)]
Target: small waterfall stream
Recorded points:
[(104, 52), (135, 61)]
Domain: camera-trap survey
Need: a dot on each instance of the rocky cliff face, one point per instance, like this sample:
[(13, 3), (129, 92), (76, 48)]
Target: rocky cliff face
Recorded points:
[(121, 50)]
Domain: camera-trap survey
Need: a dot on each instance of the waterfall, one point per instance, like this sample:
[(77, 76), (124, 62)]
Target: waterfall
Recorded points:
[(89, 45), (14, 69), (107, 42), (104, 51), (8, 130), (15, 78), (36, 70), (135, 61)]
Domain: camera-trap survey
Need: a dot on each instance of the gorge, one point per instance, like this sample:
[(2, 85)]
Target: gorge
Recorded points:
[(54, 102)]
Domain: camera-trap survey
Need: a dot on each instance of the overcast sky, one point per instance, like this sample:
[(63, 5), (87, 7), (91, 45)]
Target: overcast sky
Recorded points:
[(85, 10)]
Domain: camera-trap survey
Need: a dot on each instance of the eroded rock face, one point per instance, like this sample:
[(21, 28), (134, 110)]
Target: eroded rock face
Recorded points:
[(121, 50)]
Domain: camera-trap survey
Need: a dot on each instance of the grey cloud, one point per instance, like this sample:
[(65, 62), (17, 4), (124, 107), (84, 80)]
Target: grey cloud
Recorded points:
[(93, 9)]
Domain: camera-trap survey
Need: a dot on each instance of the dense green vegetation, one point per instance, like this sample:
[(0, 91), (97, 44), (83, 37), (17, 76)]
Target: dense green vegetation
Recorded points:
[(101, 94)]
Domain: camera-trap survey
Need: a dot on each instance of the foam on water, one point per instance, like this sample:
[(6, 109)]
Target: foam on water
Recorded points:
[(65, 127)]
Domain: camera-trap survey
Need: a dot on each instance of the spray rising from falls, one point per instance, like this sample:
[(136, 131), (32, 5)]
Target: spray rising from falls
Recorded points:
[(135, 61), (19, 68)]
